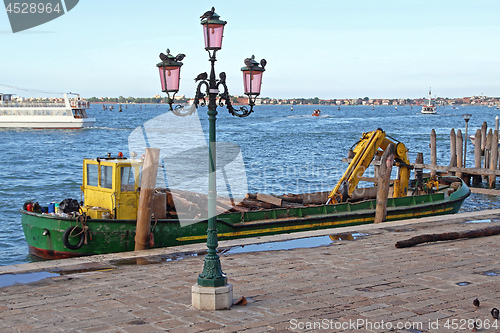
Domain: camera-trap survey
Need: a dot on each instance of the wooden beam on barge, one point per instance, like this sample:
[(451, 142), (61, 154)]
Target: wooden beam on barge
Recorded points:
[(470, 171), (486, 191)]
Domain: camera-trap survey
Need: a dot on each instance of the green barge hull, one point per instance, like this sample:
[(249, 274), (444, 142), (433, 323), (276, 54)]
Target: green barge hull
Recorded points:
[(48, 236)]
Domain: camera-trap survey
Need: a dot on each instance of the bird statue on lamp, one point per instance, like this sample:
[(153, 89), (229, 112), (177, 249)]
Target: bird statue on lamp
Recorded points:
[(222, 76), (248, 62), (208, 14), (179, 57), (163, 56), (252, 64), (201, 76), (168, 57)]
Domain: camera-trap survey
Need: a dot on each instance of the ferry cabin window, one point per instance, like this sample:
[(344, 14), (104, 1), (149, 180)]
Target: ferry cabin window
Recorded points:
[(127, 179), (106, 176), (92, 175)]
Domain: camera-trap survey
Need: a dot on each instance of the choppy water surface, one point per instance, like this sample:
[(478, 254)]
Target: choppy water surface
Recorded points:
[(284, 151)]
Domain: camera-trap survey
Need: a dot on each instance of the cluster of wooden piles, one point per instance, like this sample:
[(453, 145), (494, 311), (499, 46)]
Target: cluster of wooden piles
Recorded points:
[(187, 204), (486, 156)]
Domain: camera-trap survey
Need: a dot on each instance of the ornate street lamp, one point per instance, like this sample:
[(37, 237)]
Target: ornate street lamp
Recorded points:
[(208, 87), (252, 78), (213, 29), (170, 75), (466, 118)]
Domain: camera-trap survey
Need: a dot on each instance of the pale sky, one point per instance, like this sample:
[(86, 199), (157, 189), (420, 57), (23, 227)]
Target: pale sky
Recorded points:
[(325, 49)]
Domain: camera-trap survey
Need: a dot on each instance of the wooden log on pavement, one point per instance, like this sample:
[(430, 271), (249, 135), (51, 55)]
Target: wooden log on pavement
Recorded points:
[(476, 179), (387, 161), (433, 151), (148, 182), (427, 238), (460, 145), (493, 158)]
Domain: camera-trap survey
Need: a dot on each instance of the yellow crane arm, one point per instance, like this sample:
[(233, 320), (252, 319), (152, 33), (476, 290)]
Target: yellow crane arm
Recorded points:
[(364, 152)]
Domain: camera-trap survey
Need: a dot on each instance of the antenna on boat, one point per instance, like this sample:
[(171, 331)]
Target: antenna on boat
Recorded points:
[(30, 89)]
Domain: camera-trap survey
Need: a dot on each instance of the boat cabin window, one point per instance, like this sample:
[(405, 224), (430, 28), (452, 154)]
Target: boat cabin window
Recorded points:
[(92, 174), (106, 176), (78, 114), (127, 180)]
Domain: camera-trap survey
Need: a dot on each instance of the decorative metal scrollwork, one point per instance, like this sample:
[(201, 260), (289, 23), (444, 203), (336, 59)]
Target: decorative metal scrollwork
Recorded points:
[(201, 96), (242, 112)]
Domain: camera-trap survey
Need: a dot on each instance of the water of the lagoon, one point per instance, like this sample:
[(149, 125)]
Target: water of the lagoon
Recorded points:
[(284, 151)]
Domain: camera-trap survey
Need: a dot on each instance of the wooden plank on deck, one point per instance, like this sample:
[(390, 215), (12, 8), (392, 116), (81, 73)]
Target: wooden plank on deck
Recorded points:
[(269, 199)]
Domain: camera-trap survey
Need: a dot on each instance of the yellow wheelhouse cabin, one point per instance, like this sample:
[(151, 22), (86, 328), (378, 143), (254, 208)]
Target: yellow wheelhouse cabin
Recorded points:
[(111, 188)]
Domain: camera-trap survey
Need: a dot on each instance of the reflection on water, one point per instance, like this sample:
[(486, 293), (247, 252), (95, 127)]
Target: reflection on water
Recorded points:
[(482, 221), (294, 243), (491, 273), (464, 283)]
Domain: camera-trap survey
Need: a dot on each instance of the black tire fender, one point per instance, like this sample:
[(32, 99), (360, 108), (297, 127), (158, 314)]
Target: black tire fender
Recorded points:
[(65, 238)]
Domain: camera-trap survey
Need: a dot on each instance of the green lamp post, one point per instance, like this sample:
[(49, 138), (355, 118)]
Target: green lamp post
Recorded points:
[(466, 118), (208, 86)]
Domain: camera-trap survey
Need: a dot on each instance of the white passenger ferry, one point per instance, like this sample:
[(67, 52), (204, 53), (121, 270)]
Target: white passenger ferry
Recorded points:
[(67, 113), (429, 108)]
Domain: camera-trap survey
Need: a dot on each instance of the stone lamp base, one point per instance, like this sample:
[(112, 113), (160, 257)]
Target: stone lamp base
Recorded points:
[(212, 298)]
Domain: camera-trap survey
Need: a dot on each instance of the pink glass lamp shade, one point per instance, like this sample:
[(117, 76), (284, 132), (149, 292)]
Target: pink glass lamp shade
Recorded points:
[(252, 76), (170, 72), (213, 29)]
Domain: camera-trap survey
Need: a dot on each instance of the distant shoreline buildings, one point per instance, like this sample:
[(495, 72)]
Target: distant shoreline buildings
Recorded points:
[(239, 100), (474, 100), (438, 101)]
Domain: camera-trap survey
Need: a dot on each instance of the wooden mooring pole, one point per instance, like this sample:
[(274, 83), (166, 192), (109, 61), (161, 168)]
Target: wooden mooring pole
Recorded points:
[(385, 169), (148, 184), (453, 150), (376, 169), (476, 179), (419, 172), (487, 152), (460, 145), (494, 158), (433, 151), (484, 128)]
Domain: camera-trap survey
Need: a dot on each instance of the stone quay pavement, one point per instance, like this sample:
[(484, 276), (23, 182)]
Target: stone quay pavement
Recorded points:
[(365, 284)]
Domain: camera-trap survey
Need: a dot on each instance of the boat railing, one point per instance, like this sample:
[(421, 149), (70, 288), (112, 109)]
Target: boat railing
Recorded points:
[(35, 112), (79, 104), (33, 105)]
